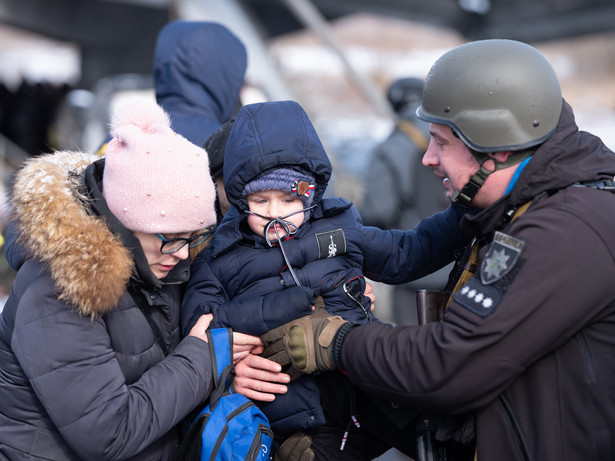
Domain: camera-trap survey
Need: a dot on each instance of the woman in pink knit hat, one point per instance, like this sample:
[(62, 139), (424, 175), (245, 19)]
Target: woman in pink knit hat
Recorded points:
[(92, 365)]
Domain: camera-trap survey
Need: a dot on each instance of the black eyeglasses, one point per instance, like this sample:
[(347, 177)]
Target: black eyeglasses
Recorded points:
[(169, 246)]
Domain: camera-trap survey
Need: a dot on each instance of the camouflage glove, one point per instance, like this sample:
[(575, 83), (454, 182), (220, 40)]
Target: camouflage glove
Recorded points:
[(303, 343), (297, 447)]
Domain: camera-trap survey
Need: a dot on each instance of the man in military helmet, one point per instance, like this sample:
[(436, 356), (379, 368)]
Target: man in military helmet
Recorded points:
[(526, 346)]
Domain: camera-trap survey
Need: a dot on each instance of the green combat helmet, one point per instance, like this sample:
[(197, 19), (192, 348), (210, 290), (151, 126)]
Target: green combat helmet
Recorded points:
[(496, 95)]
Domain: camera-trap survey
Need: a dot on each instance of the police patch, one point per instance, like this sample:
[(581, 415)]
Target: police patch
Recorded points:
[(501, 257), (331, 244), (480, 299)]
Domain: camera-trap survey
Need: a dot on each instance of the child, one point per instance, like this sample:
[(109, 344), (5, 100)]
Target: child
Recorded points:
[(282, 237)]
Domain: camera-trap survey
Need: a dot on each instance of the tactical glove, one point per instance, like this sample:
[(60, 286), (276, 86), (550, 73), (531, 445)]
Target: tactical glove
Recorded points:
[(304, 342), (297, 447)]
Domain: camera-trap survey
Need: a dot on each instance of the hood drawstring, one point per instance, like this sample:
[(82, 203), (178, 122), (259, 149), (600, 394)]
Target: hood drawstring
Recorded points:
[(290, 230)]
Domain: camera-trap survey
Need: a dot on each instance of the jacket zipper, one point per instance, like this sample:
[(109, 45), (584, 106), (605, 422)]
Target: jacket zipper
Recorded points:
[(514, 428)]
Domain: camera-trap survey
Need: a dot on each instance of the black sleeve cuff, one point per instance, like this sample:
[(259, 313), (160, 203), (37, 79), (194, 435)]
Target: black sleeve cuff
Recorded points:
[(335, 350)]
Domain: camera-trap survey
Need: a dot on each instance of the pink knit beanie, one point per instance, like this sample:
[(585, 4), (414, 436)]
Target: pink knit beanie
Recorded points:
[(155, 181)]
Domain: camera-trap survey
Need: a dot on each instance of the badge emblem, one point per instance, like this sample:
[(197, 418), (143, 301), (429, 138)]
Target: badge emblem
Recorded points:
[(480, 299), (331, 244), (501, 257)]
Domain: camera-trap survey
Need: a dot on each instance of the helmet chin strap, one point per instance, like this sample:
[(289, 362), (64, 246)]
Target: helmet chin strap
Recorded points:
[(464, 197)]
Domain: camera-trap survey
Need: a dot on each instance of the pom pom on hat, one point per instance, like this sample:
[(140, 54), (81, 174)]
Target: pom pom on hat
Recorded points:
[(155, 181)]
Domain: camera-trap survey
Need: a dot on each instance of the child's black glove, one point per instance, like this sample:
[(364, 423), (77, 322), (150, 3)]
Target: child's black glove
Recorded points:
[(286, 305)]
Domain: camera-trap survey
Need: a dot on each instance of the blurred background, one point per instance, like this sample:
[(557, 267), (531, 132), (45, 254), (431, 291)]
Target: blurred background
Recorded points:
[(63, 63)]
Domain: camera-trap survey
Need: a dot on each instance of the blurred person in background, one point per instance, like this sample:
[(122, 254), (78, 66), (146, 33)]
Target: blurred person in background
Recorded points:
[(400, 191), (215, 146), (199, 69)]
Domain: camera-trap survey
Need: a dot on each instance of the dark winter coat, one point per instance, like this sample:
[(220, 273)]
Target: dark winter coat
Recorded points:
[(81, 375), (240, 267), (199, 69), (528, 345)]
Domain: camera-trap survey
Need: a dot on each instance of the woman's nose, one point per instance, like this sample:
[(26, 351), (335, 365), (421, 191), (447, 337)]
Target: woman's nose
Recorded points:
[(182, 253)]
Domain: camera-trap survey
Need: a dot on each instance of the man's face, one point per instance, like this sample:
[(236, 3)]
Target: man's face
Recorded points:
[(450, 158)]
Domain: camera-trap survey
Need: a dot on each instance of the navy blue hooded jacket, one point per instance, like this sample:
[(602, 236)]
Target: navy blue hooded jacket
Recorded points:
[(234, 275), (199, 69)]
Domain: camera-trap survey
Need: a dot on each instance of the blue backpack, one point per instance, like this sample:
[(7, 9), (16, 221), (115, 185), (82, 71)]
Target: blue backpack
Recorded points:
[(230, 427)]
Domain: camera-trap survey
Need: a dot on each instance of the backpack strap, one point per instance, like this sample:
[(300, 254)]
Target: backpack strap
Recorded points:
[(220, 342), (155, 330)]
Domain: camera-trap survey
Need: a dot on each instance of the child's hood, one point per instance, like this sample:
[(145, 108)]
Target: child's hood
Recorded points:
[(272, 135)]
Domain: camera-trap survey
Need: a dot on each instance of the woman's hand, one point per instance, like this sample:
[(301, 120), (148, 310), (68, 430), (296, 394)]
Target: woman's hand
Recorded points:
[(201, 326), (242, 344), (259, 378)]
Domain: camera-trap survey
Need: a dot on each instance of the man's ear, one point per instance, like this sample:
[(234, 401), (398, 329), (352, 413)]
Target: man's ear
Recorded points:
[(500, 156)]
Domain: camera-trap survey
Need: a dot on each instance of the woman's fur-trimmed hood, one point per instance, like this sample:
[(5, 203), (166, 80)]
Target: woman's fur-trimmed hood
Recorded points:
[(87, 261)]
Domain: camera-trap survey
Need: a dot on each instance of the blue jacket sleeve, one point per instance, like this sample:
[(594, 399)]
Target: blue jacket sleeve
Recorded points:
[(414, 253), (252, 315)]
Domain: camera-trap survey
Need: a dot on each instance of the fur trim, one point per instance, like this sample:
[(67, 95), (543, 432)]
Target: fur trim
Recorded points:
[(89, 264)]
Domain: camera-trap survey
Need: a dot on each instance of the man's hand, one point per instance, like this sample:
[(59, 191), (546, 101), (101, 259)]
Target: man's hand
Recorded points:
[(259, 379), (303, 342), (297, 447)]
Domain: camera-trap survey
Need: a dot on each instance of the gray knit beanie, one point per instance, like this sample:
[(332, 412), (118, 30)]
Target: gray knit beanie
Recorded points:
[(284, 179)]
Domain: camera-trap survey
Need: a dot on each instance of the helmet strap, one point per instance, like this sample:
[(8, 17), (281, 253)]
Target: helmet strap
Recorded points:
[(463, 197)]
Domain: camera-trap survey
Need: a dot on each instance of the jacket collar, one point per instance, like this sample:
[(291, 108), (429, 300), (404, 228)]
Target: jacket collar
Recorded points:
[(567, 157)]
